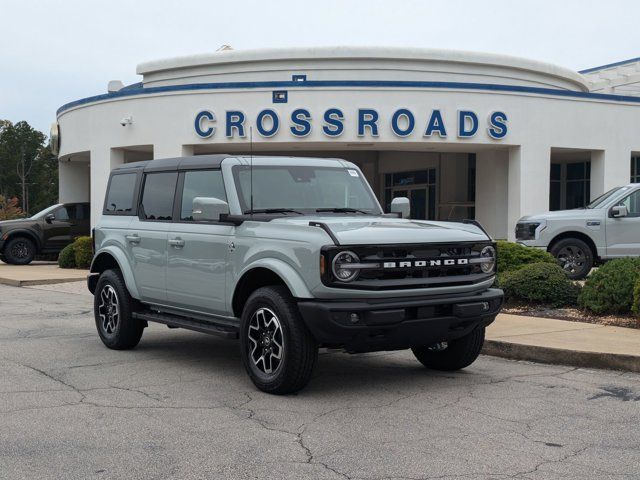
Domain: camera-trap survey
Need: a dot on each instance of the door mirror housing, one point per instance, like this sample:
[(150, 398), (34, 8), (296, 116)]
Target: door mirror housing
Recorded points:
[(209, 209), (50, 218), (618, 211), (401, 205)]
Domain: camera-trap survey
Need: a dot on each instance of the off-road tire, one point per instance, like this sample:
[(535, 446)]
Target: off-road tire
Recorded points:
[(19, 251), (459, 353), (562, 247), (299, 349), (126, 332)]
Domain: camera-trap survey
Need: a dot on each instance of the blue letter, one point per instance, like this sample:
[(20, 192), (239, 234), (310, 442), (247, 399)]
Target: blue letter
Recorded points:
[(275, 123), (367, 118), (462, 124), (435, 125), (333, 119), (302, 126), (498, 128), (235, 119), (205, 114), (411, 122)]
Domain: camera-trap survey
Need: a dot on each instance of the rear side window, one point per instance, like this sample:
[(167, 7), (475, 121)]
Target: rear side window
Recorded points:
[(120, 195), (203, 183), (157, 196)]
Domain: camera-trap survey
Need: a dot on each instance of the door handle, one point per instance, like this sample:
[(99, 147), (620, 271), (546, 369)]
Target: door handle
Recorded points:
[(176, 242), (132, 238)]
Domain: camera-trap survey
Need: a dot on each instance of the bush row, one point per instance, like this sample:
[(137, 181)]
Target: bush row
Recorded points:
[(532, 275), (77, 254)]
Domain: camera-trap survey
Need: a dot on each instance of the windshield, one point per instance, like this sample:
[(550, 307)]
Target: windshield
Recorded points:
[(44, 212), (598, 202), (304, 189)]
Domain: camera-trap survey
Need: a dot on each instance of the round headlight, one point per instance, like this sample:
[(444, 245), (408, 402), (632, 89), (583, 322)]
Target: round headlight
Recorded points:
[(340, 266), (488, 255)]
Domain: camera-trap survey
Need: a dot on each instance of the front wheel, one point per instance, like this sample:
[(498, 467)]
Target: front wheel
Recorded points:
[(19, 251), (455, 355), (113, 309), (574, 256), (278, 351)]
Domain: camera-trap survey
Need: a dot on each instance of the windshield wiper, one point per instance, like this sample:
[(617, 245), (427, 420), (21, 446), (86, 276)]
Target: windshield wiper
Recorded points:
[(273, 210), (342, 210)]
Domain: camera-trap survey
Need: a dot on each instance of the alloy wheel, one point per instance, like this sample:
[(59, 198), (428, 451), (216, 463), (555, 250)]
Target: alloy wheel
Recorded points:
[(572, 259), (20, 250), (266, 343), (109, 309)]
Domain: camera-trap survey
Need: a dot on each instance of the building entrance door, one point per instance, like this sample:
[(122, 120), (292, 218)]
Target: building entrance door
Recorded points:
[(418, 186)]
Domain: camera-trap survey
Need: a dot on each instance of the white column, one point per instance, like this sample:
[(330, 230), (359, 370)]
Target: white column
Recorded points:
[(102, 162), (609, 168), (171, 150), (73, 181), (492, 176), (528, 192)]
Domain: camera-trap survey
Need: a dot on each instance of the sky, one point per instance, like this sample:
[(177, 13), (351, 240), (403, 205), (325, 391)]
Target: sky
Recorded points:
[(52, 52)]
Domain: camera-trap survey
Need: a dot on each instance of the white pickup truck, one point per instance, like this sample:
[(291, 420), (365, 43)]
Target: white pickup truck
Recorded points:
[(607, 228)]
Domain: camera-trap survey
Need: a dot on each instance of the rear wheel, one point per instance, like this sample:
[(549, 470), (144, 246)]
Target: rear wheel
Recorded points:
[(113, 311), (278, 351), (19, 251), (453, 355), (574, 256)]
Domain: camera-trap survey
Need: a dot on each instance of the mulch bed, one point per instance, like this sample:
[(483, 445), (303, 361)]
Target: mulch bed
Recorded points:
[(573, 315)]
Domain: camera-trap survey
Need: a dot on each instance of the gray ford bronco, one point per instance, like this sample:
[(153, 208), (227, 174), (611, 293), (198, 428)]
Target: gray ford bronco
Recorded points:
[(607, 228), (288, 255)]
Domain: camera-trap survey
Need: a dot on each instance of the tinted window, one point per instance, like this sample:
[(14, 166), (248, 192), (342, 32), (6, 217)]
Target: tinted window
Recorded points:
[(632, 202), (65, 213), (83, 212), (120, 194), (157, 196), (204, 183)]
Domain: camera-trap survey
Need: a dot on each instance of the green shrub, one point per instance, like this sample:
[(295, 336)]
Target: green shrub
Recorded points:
[(83, 247), (513, 256), (544, 283), (636, 299), (610, 289), (67, 257)]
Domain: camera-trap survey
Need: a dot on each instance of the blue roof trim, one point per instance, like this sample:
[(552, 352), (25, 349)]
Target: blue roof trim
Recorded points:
[(609, 65), (130, 92)]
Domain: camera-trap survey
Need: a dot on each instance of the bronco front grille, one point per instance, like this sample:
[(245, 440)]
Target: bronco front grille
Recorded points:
[(389, 267)]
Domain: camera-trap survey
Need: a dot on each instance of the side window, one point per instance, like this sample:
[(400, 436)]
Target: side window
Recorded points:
[(83, 212), (632, 202), (63, 214), (157, 196), (120, 194), (203, 183)]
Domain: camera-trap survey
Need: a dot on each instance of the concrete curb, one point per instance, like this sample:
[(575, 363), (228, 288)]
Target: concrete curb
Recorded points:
[(27, 283), (575, 358)]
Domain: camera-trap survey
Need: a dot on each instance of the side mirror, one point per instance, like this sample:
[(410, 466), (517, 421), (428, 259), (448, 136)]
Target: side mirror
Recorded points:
[(402, 206), (209, 209), (618, 211), (50, 218)]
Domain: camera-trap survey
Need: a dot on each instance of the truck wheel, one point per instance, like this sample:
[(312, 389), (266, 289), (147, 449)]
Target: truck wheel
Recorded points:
[(278, 351), (458, 354), (19, 251), (113, 309), (574, 256)]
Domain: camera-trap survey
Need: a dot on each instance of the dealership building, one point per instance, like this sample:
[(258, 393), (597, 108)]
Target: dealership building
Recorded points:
[(462, 134)]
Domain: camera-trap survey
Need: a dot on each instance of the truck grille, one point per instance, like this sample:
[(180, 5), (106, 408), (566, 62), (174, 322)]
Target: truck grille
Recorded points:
[(411, 266)]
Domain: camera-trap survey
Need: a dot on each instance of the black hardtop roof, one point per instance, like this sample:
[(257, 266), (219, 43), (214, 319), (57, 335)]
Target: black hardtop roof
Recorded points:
[(178, 163)]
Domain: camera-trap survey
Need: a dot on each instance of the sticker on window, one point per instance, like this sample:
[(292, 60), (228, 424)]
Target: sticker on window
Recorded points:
[(352, 172)]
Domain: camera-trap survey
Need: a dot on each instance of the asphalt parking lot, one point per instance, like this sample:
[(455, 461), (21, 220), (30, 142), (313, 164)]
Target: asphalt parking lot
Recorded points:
[(180, 406)]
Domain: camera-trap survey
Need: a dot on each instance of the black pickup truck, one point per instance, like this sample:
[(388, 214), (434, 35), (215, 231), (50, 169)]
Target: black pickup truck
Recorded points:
[(46, 232)]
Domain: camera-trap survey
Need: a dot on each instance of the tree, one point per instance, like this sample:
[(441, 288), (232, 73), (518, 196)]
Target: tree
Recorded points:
[(9, 208), (28, 170)]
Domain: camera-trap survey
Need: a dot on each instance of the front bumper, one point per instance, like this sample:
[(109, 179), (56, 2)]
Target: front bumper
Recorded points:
[(399, 323)]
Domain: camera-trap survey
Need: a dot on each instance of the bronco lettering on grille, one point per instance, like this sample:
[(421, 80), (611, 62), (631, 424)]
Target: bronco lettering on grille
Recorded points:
[(427, 263)]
